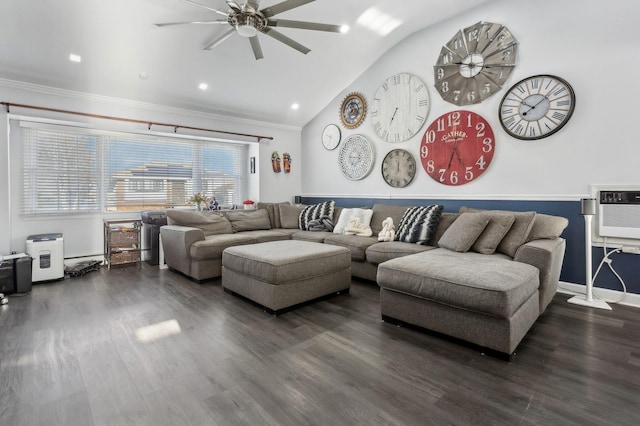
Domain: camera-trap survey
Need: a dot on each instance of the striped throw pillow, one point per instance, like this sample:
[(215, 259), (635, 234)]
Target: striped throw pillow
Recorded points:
[(315, 212), (418, 224)]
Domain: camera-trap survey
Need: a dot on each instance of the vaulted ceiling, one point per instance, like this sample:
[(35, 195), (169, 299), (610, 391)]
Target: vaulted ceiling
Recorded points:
[(124, 55)]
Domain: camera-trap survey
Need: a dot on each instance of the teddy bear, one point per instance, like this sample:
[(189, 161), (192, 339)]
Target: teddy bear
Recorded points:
[(387, 233)]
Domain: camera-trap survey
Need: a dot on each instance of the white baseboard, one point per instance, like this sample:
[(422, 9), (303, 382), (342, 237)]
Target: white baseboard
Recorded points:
[(610, 296)]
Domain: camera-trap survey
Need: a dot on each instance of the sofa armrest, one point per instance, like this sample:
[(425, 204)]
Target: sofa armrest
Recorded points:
[(546, 255), (176, 243)]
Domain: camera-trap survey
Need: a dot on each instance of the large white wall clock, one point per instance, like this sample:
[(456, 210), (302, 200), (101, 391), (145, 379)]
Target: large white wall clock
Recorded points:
[(399, 107), (475, 63), (356, 157)]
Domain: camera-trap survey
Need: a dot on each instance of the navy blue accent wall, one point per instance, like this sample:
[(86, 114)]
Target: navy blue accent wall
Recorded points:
[(573, 269)]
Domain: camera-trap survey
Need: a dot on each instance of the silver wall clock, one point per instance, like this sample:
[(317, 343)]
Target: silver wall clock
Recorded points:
[(398, 168), (356, 157), (331, 137), (475, 63), (537, 107), (399, 107)]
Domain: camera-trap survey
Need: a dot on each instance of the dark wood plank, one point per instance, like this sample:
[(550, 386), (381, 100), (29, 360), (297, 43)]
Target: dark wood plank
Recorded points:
[(71, 353)]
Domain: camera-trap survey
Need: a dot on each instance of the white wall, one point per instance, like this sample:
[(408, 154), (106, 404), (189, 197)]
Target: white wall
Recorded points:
[(593, 45), (83, 234)]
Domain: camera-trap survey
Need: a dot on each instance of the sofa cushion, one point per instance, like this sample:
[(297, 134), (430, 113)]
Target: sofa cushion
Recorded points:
[(274, 212), (463, 232), (383, 251), (383, 211), (517, 235), (547, 227), (446, 219), (248, 220), (498, 226), (347, 215), (357, 245), (314, 212), (418, 224), (211, 223), (313, 236), (266, 235), (289, 216), (494, 285), (213, 245)]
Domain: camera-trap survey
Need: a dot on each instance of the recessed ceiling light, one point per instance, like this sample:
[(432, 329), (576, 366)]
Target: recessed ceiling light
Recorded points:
[(75, 58), (203, 86), (344, 29), (378, 21), (295, 106)]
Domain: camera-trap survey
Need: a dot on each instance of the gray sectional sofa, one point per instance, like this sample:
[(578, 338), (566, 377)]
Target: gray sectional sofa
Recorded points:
[(484, 276)]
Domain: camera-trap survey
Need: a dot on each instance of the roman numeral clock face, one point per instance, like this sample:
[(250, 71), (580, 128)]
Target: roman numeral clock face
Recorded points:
[(537, 107), (457, 148), (399, 108)]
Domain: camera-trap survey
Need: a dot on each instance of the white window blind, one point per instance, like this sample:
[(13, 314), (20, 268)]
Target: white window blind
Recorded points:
[(80, 170)]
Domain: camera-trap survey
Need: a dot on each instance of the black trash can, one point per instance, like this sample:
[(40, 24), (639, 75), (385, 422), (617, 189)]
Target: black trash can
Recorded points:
[(15, 274), (152, 220)]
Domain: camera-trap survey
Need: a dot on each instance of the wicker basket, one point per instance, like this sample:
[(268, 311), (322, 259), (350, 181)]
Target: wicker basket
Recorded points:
[(124, 238), (122, 257)]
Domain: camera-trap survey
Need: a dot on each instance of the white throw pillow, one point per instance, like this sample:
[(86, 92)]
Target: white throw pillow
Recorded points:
[(347, 215)]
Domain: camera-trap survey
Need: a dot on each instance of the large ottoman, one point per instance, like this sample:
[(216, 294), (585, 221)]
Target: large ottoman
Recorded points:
[(487, 300), (279, 275)]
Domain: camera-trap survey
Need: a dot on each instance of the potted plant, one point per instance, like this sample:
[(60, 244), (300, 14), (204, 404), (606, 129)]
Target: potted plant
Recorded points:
[(198, 199), (249, 204)]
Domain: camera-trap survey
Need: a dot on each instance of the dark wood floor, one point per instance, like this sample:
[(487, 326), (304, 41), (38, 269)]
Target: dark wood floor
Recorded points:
[(82, 352)]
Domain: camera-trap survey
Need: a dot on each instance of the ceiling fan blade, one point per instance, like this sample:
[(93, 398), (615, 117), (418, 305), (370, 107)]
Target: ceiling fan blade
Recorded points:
[(286, 40), (254, 4), (219, 12), (233, 5), (283, 7), (255, 46), (168, 24), (304, 25), (220, 39)]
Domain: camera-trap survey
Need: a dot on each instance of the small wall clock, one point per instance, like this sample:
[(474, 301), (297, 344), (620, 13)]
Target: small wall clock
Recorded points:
[(356, 157), (353, 110), (331, 137), (398, 168), (537, 107), (399, 107), (475, 63), (457, 148)]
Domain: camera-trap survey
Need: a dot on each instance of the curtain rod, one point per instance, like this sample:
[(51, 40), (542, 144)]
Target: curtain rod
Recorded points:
[(130, 120)]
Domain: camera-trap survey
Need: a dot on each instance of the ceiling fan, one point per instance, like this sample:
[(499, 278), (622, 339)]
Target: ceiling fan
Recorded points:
[(247, 20)]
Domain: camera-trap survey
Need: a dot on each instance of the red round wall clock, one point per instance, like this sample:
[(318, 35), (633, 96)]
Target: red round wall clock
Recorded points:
[(457, 147)]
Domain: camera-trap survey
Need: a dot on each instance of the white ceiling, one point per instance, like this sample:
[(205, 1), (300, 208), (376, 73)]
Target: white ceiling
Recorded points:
[(117, 40)]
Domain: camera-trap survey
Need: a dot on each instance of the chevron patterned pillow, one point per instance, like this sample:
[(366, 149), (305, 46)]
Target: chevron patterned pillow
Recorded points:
[(315, 211), (418, 224)]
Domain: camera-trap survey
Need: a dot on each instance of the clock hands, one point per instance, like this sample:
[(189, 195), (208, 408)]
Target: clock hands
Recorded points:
[(394, 115), (534, 106)]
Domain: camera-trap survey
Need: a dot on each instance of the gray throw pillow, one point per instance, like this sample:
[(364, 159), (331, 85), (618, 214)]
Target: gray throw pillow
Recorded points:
[(210, 222), (289, 215), (547, 227), (243, 220), (499, 224), (518, 233), (463, 232)]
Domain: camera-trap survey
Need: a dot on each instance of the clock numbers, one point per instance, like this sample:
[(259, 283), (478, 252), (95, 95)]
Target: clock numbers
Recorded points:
[(399, 108), (457, 148), (537, 107)]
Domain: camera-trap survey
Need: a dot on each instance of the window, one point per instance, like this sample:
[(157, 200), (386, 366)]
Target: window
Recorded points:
[(76, 170)]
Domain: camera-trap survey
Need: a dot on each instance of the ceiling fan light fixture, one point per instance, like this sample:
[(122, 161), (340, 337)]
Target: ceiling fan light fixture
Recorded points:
[(246, 30)]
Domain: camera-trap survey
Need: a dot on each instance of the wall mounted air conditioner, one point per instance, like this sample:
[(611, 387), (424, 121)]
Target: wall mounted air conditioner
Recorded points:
[(619, 214)]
